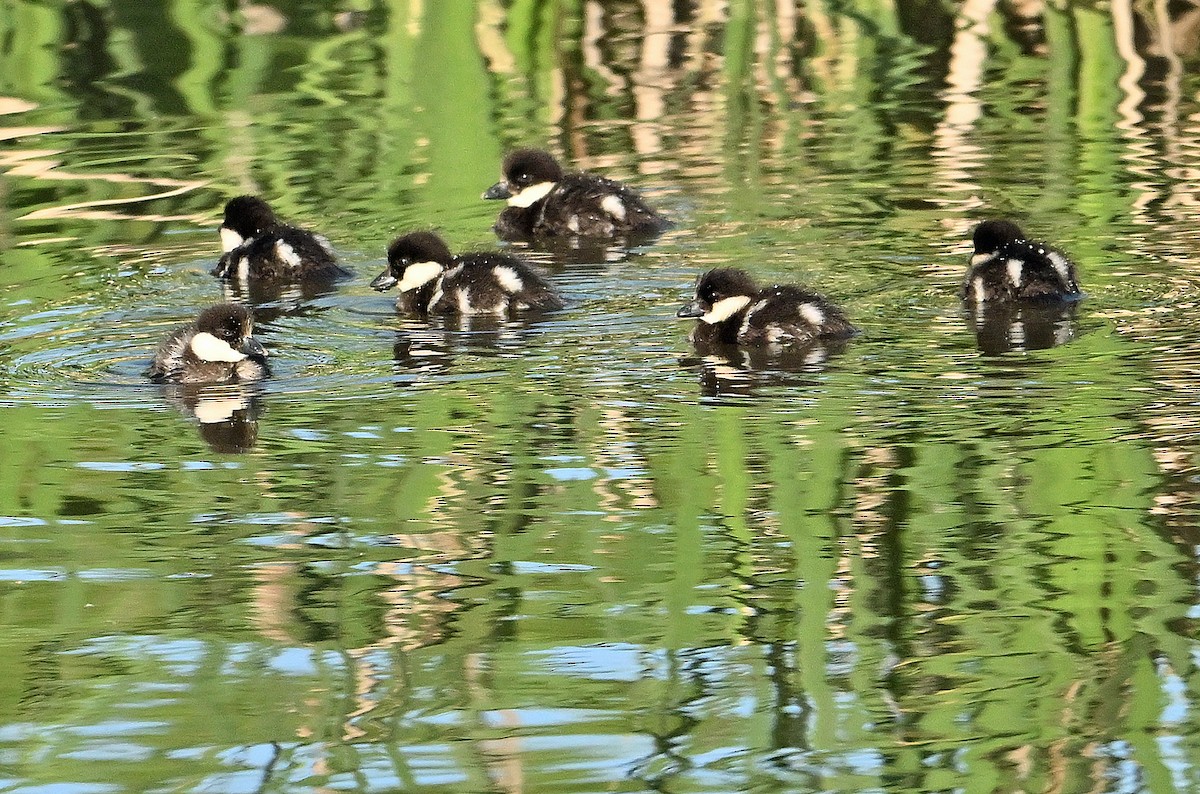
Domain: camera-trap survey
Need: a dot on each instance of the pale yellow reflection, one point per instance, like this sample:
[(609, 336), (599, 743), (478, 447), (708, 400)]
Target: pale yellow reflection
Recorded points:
[(42, 164), (956, 158)]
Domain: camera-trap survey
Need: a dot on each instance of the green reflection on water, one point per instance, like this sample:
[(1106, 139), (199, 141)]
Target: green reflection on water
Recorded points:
[(567, 555)]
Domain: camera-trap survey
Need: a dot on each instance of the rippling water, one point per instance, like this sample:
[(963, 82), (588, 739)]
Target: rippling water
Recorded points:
[(572, 553)]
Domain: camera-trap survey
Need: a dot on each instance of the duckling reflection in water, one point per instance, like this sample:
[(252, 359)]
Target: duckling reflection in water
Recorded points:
[(1014, 327), (227, 414), (738, 371), (273, 300), (431, 349), (544, 201), (216, 348)]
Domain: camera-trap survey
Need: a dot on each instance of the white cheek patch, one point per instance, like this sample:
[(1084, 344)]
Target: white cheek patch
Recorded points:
[(1014, 266), (531, 195), (812, 314), (979, 259), (208, 348), (287, 254), (230, 239), (1061, 266), (725, 308), (509, 279), (613, 206), (419, 274)]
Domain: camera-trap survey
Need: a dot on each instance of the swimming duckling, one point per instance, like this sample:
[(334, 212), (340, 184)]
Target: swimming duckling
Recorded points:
[(257, 245), (216, 348), (544, 202), (432, 280), (733, 310), (1007, 267)]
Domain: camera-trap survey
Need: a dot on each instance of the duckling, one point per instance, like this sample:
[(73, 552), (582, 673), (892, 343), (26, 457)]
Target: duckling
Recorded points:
[(257, 245), (545, 202), (432, 280), (1008, 267), (216, 348), (733, 310)]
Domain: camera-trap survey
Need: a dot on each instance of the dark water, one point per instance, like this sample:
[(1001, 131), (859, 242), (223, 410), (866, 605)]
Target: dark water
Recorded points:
[(573, 554)]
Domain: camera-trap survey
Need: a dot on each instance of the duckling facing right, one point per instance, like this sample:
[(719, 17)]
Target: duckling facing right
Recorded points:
[(432, 280), (216, 348), (732, 309), (1006, 266)]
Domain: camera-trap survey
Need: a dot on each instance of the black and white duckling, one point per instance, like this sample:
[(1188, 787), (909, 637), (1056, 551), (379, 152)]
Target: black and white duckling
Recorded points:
[(432, 280), (543, 201), (257, 245), (733, 310), (1008, 267), (216, 348)]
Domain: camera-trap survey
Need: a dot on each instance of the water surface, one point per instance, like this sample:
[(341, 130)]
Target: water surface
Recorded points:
[(572, 554)]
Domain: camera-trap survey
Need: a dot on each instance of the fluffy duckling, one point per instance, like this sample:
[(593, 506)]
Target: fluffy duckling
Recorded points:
[(257, 245), (216, 348), (733, 310), (432, 280), (543, 201), (1008, 267)]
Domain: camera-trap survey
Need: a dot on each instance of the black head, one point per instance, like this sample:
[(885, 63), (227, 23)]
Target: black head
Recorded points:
[(227, 321), (231, 324), (991, 236), (248, 216), (524, 168), (715, 286), (417, 248)]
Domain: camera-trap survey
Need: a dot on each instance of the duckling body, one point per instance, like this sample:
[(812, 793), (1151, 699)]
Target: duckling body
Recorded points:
[(1008, 267), (216, 348), (543, 201), (258, 246), (434, 281), (733, 310)]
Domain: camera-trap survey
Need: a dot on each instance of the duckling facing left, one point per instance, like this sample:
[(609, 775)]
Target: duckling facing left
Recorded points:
[(216, 348), (732, 309), (543, 201), (1006, 266), (257, 245), (432, 280)]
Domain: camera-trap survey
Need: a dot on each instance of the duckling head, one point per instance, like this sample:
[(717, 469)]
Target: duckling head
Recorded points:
[(413, 261), (720, 294), (529, 175)]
